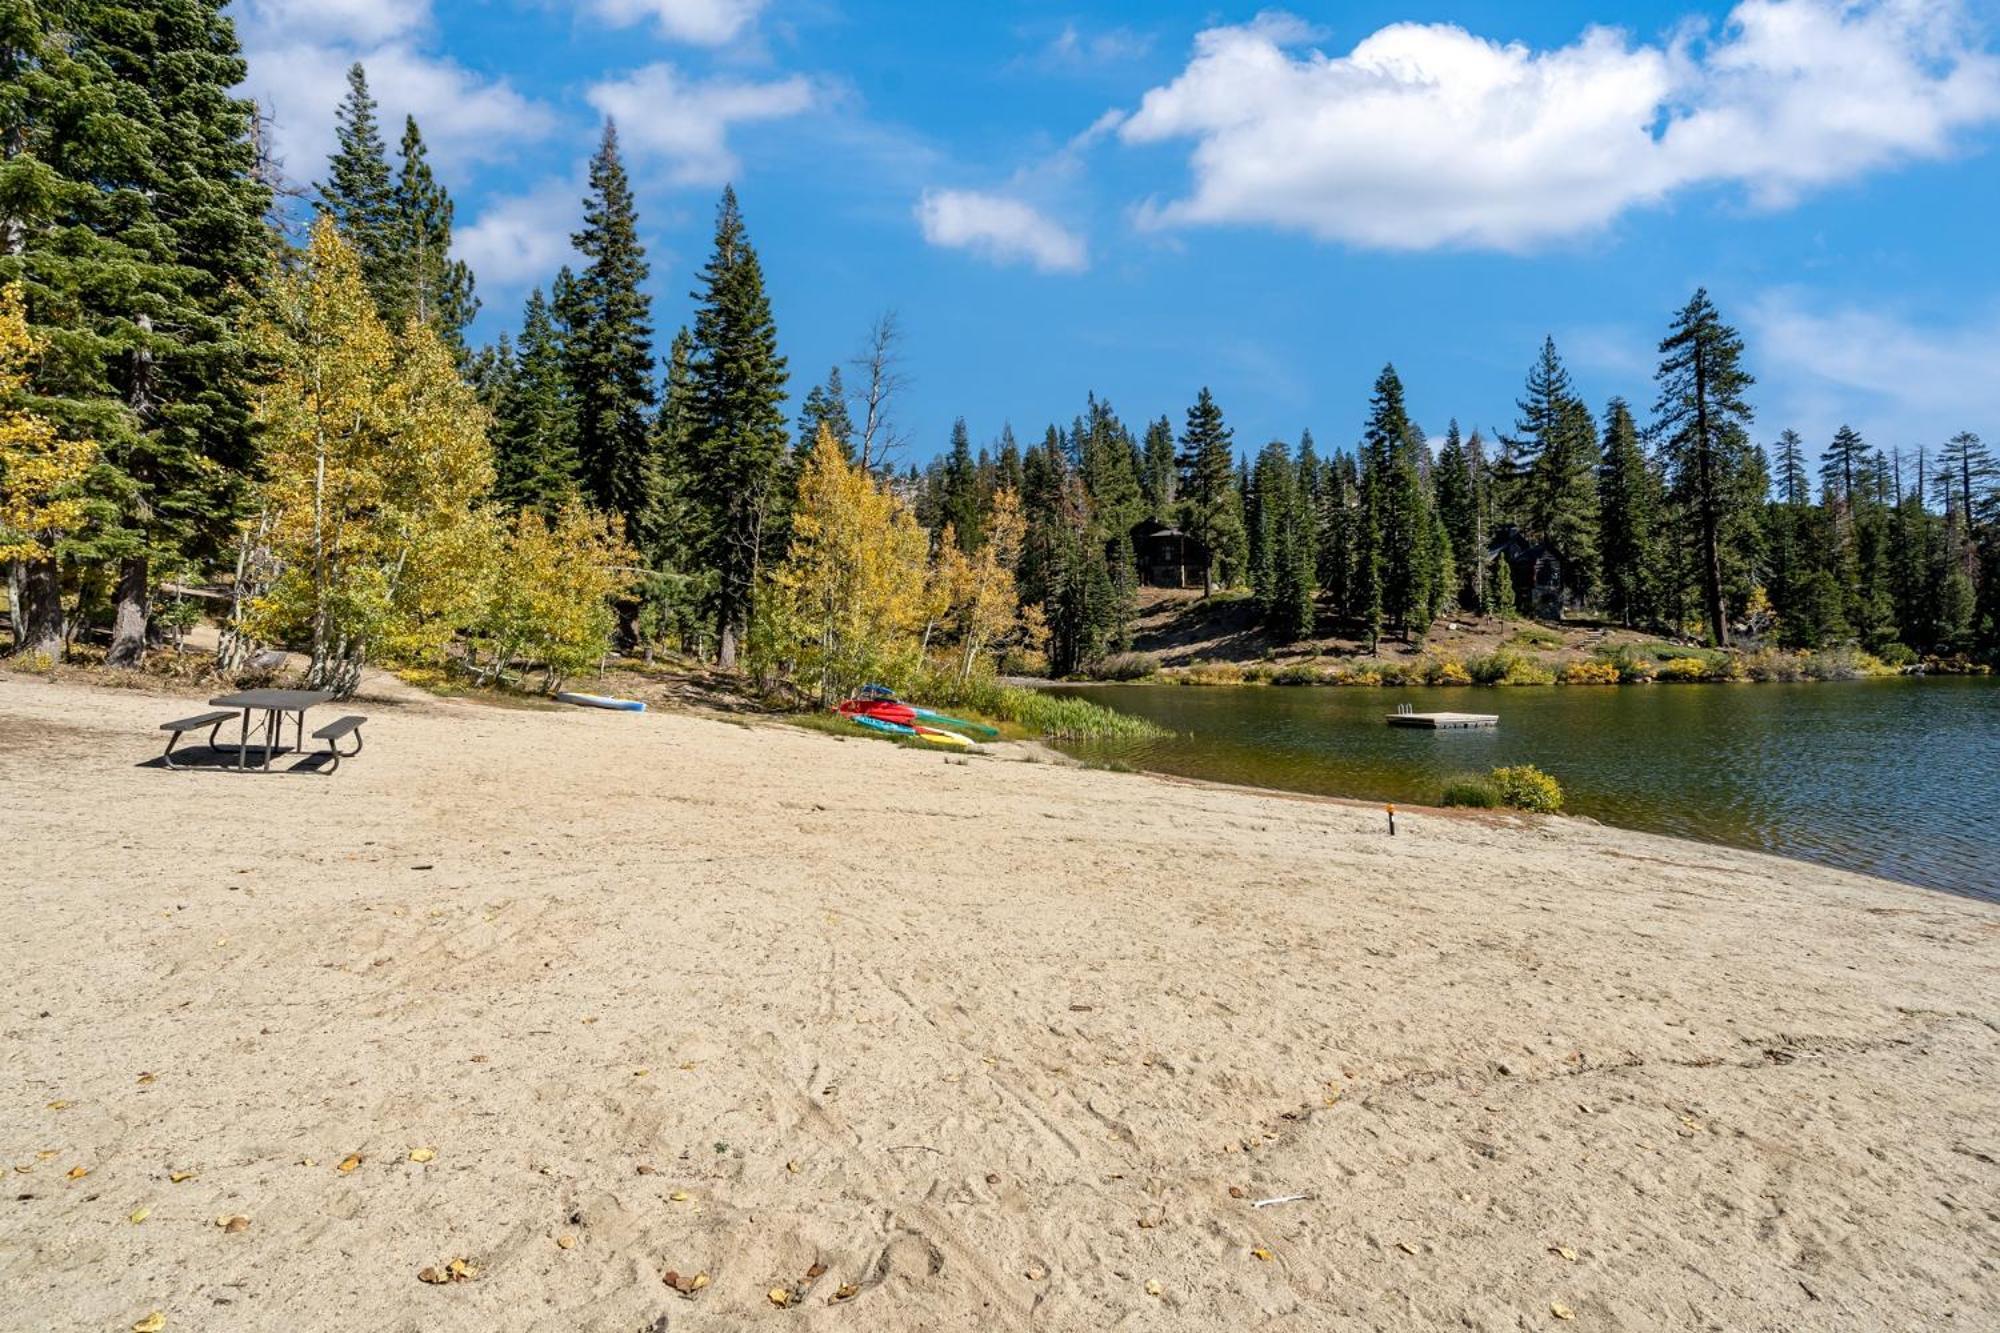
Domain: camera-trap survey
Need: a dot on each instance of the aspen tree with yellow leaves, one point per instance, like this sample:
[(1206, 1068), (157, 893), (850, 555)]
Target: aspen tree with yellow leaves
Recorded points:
[(376, 471), (552, 593), (41, 500), (847, 600)]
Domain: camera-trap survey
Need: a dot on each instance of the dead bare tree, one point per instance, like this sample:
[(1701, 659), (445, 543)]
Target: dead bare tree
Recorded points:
[(882, 378)]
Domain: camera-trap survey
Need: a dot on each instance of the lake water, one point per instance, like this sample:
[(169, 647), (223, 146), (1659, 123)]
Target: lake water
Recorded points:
[(1899, 778)]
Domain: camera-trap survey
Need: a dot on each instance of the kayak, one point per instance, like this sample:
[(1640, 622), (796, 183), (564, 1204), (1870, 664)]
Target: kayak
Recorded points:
[(948, 739), (945, 720), (885, 710), (602, 701), (877, 724)]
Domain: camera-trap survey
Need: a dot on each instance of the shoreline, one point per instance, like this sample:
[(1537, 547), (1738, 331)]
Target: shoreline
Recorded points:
[(1001, 1044)]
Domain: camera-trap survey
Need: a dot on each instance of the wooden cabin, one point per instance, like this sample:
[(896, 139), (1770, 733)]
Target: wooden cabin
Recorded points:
[(1538, 572), (1168, 557)]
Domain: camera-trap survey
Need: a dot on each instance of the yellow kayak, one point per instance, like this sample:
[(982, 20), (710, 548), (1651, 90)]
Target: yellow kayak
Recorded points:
[(950, 740)]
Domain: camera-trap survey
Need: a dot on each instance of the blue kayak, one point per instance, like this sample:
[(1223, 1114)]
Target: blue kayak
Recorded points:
[(877, 724), (602, 701), (947, 720)]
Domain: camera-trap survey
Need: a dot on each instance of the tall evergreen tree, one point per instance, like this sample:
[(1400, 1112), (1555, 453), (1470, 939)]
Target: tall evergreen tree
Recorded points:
[(130, 211), (736, 442), (1703, 424), (534, 427), (1563, 497), (608, 346), (429, 284), (1282, 571), (826, 405), (1456, 485), (1540, 423), (1210, 510), (1337, 522), (359, 194), (1158, 477), (1629, 499), (959, 498)]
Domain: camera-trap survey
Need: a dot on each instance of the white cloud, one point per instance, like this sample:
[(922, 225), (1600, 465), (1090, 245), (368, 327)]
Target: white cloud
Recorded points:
[(686, 122), (299, 52), (1902, 382), (348, 20), (1072, 48), (701, 22), (523, 239), (1426, 135), (998, 228)]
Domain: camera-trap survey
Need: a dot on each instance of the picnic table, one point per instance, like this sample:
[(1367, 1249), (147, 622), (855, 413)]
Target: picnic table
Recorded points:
[(273, 704)]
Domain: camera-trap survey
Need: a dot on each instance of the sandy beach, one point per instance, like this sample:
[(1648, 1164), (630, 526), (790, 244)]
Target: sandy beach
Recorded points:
[(912, 1043)]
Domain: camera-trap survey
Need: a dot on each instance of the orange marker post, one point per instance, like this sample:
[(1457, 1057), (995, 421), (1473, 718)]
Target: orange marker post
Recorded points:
[(1392, 819)]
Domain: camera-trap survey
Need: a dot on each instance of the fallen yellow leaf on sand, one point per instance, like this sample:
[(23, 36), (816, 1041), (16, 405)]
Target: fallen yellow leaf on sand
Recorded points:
[(60, 1105), (47, 1155), (846, 1291), (140, 1214), (792, 1167), (1565, 1251), (700, 1281), (1153, 1287), (686, 1065), (78, 1172), (779, 1296), (679, 1196), (178, 1176), (423, 1154), (641, 1073), (461, 1271), (21, 1169), (145, 1078), (431, 1276), (1262, 1253), (349, 1162), (1561, 1311), (152, 1323), (308, 1161), (1406, 1247), (565, 1242)]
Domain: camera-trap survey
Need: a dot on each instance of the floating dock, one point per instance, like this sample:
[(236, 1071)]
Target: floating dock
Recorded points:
[(1444, 721)]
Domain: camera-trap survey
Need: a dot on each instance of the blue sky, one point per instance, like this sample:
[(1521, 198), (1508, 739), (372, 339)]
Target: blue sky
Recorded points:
[(1060, 198)]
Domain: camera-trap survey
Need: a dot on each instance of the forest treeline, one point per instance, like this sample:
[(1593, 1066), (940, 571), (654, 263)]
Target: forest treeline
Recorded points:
[(195, 388)]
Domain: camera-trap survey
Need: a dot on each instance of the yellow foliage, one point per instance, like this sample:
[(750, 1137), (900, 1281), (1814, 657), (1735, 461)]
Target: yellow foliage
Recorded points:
[(39, 473), (552, 591), (1590, 673), (375, 465), (848, 600), (984, 605)]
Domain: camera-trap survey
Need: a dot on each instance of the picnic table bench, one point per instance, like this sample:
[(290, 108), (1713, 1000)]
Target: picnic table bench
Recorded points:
[(274, 705)]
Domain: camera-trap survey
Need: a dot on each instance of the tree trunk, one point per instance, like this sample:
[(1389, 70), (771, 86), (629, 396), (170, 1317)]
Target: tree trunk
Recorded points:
[(15, 577), (725, 646), (39, 631), (128, 625)]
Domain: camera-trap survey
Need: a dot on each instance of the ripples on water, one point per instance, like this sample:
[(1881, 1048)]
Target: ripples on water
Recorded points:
[(1899, 778)]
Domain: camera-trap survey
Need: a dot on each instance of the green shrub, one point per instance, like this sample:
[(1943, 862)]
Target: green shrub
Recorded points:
[(1525, 787), (1125, 667), (1299, 673), (1897, 655), (1475, 792), (1534, 636)]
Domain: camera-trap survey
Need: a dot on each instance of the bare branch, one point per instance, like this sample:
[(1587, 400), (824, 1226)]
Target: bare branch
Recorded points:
[(880, 364)]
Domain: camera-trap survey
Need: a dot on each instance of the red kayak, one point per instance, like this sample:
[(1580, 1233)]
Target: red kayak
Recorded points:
[(884, 710)]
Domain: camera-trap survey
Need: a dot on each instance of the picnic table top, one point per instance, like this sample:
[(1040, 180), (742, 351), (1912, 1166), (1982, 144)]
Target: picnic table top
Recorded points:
[(283, 700)]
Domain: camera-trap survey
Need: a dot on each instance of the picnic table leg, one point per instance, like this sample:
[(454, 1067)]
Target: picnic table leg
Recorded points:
[(243, 744)]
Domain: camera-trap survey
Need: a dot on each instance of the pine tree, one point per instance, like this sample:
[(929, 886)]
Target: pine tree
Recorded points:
[(1336, 522), (1540, 423), (1282, 567), (1158, 477), (534, 428), (1210, 511), (826, 405), (959, 499), (1703, 424), (1628, 496), (360, 195), (1563, 497), (1457, 486), (736, 442), (429, 284), (130, 212), (608, 346)]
